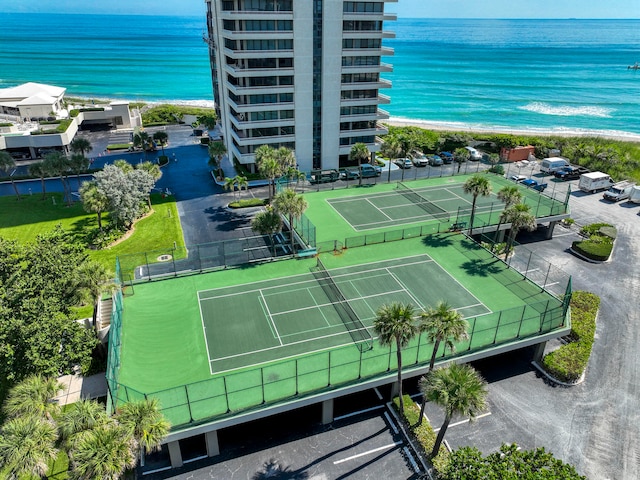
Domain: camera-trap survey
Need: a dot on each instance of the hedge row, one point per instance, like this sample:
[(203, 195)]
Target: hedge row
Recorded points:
[(423, 433), (600, 243), (249, 202), (569, 362)]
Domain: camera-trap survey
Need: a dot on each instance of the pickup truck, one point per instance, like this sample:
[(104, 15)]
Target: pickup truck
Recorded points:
[(531, 183), (570, 173)]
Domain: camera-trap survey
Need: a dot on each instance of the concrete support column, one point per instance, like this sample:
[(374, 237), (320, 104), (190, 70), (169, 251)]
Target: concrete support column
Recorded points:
[(500, 236), (175, 454), (539, 352), (213, 448), (394, 391), (550, 228), (327, 411)]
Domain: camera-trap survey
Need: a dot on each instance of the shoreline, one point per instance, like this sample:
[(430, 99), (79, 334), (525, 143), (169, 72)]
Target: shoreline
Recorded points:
[(435, 125)]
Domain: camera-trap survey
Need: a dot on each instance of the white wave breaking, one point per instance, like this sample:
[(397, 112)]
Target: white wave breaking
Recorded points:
[(567, 110)]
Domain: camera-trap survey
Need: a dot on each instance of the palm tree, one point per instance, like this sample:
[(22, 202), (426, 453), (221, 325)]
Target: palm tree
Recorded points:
[(7, 165), (79, 417), (238, 182), (509, 196), (77, 164), (292, 205), (268, 166), (360, 153), (32, 396), (394, 323), (80, 145), (94, 200), (161, 137), (267, 222), (59, 166), (461, 155), (217, 151), (155, 172), (520, 217), (392, 149), (459, 389), (285, 157), (476, 186), (27, 446), (92, 278), (443, 324), (141, 139), (145, 422), (40, 170), (103, 453)]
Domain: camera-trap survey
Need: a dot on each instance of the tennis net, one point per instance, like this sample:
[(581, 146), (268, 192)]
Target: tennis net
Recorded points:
[(359, 333), (428, 206)]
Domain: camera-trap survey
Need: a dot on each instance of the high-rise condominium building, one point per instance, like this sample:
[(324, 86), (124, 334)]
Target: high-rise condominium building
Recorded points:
[(304, 74)]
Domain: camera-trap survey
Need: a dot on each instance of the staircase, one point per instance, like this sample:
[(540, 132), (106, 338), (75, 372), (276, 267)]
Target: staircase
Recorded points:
[(103, 319)]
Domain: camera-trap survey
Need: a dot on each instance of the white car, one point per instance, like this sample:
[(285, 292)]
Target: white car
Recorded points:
[(420, 161), (404, 163), (518, 178)]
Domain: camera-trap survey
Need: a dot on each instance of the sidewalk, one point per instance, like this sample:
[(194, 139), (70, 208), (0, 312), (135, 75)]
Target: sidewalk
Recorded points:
[(77, 387)]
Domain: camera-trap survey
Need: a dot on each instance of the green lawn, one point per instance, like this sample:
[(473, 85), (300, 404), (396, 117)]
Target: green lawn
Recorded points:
[(23, 220)]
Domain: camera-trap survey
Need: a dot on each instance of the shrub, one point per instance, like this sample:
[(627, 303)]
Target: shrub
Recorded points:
[(593, 250), (593, 228), (569, 362), (242, 171), (163, 160), (423, 433), (248, 202), (497, 169), (118, 146)]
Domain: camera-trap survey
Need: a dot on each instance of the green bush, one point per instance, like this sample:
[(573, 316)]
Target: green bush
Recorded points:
[(593, 228), (92, 109), (6, 124), (569, 362), (242, 171), (163, 160), (118, 146), (423, 433), (249, 202), (497, 169), (593, 250), (74, 113)]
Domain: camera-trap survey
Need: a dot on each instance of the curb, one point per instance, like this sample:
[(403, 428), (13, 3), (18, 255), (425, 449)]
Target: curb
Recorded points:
[(555, 380)]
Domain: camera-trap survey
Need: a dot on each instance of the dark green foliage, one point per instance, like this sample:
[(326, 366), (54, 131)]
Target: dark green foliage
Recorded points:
[(509, 463), (497, 169), (242, 170), (600, 243), (163, 160), (172, 114), (570, 361), (420, 139), (249, 202), (39, 283), (61, 127)]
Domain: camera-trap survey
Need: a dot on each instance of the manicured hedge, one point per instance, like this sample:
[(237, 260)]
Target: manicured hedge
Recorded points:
[(593, 250), (248, 202), (569, 362), (118, 146), (423, 433)]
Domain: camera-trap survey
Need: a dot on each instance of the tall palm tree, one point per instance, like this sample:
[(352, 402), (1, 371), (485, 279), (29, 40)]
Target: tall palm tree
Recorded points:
[(217, 151), (32, 396), (285, 157), (81, 145), (509, 196), (103, 453), (145, 422), (238, 182), (267, 222), (78, 163), (520, 217), (156, 173), (92, 279), (141, 139), (292, 205), (359, 153), (393, 150), (443, 324), (161, 137), (268, 166), (461, 155), (94, 200), (59, 166), (7, 165), (79, 417), (40, 170), (27, 446), (476, 186), (459, 389), (395, 324)]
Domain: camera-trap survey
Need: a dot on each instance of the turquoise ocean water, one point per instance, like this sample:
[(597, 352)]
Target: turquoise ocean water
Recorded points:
[(565, 75)]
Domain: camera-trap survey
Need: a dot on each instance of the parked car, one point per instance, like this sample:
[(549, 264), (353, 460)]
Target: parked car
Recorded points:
[(403, 163), (349, 174), (420, 160), (324, 176), (435, 161), (447, 157), (531, 183), (570, 173), (518, 178), (367, 170), (474, 154)]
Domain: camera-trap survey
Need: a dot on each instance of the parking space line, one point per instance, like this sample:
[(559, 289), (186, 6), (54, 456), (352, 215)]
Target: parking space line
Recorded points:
[(464, 421), (378, 393), (368, 452), (353, 414)]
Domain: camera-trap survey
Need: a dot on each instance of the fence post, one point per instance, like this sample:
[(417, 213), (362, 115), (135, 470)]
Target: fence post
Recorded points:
[(360, 366), (186, 392), (297, 391), (473, 329), (262, 384), (495, 337), (146, 262), (329, 371), (226, 393)]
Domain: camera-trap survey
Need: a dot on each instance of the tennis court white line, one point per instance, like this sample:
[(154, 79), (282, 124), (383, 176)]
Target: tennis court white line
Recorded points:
[(368, 452), (436, 430), (266, 315), (406, 290), (270, 318), (318, 307), (379, 209), (204, 333), (315, 285)]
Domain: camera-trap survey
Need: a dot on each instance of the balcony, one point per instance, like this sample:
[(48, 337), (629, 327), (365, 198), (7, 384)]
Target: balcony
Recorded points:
[(378, 130), (381, 83), (243, 72), (243, 140), (259, 107), (255, 15), (239, 90), (359, 117), (259, 34), (242, 122), (239, 54)]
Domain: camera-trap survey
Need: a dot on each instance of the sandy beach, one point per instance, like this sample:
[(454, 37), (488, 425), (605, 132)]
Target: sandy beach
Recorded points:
[(462, 127)]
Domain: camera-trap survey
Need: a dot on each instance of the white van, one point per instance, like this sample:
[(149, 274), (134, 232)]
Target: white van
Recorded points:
[(553, 164), (474, 154)]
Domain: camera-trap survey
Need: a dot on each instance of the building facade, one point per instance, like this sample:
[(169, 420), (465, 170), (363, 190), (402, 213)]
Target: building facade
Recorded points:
[(301, 74)]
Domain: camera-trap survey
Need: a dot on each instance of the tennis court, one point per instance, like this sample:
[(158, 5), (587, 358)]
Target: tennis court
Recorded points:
[(312, 312)]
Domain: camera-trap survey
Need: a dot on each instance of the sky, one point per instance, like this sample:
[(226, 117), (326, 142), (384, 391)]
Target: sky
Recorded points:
[(404, 8)]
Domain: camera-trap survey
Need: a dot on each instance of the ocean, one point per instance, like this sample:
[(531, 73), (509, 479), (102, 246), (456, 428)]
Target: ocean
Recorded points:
[(538, 75)]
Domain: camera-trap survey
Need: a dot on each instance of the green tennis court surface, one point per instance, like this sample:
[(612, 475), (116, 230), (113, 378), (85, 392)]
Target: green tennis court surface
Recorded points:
[(212, 344), (378, 208), (294, 315)]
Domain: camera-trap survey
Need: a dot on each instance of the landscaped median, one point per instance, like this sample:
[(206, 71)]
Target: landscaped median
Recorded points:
[(598, 246), (569, 362)]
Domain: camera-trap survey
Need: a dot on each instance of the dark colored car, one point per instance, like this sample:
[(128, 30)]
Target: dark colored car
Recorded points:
[(447, 157), (570, 173), (435, 160), (531, 183)]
